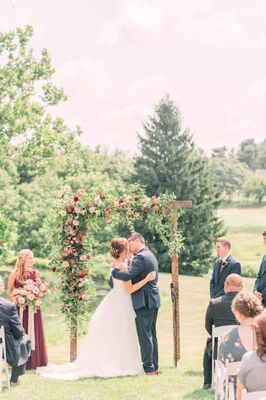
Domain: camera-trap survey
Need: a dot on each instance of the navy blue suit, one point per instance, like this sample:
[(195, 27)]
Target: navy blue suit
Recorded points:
[(230, 266), (146, 302), (17, 343), (260, 283)]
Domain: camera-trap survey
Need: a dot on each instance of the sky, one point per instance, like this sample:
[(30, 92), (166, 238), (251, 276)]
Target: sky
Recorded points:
[(116, 59)]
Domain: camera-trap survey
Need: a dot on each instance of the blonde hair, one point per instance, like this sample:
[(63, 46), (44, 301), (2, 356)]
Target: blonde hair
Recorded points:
[(224, 241), (20, 264)]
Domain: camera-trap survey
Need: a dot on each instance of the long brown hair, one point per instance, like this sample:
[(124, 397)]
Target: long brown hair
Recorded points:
[(20, 264), (118, 245), (260, 329)]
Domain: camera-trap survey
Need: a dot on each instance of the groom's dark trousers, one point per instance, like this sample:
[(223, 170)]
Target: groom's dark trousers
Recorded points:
[(146, 302)]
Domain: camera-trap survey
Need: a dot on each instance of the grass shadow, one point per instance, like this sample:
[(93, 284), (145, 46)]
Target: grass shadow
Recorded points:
[(193, 373), (199, 394)]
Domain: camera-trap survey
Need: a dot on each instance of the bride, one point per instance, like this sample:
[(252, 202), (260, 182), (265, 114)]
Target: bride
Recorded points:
[(111, 347)]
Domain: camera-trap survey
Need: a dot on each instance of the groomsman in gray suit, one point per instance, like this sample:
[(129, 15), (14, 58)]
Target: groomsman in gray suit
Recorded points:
[(260, 283)]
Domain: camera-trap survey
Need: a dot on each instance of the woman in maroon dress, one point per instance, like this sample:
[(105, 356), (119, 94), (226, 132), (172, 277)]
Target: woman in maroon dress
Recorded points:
[(24, 270)]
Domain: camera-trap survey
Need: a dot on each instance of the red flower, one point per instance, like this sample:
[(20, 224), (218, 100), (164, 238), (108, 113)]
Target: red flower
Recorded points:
[(69, 209), (74, 294), (54, 269), (136, 199), (121, 201), (76, 199)]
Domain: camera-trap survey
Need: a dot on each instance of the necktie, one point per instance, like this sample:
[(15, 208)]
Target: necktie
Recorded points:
[(220, 266)]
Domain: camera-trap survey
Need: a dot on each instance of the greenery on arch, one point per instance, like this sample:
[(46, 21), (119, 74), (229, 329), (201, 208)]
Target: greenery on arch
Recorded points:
[(77, 217)]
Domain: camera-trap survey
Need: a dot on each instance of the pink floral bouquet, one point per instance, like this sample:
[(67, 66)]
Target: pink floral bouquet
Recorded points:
[(30, 294)]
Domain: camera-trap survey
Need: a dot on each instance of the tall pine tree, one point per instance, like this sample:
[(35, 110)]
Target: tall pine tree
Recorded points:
[(170, 163)]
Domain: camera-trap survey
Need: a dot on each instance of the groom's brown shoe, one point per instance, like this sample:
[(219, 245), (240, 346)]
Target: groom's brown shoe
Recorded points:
[(151, 373), (14, 384), (157, 372)]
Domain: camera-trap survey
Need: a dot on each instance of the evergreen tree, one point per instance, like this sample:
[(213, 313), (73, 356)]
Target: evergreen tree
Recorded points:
[(170, 163)]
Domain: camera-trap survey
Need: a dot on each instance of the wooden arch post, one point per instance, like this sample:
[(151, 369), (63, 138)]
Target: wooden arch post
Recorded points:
[(175, 283)]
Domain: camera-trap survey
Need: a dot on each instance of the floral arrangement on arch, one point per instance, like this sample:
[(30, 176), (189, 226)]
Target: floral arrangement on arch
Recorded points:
[(30, 294), (77, 216)]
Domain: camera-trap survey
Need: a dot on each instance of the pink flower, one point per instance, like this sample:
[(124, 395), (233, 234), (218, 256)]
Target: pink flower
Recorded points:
[(91, 210), (66, 188), (116, 203), (31, 296), (65, 265), (77, 210), (83, 257), (75, 223), (43, 286), (137, 214), (108, 219), (21, 300), (35, 290), (85, 296), (63, 213)]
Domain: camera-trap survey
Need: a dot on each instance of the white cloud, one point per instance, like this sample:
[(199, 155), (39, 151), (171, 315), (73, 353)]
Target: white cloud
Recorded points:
[(86, 77), (109, 34), (133, 111)]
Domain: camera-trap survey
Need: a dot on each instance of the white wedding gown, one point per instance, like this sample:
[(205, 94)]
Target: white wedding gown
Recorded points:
[(111, 347)]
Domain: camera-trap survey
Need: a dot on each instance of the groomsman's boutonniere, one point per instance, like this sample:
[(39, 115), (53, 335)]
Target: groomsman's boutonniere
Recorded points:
[(224, 263)]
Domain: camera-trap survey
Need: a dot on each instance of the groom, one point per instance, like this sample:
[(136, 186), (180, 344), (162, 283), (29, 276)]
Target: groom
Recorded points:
[(146, 300)]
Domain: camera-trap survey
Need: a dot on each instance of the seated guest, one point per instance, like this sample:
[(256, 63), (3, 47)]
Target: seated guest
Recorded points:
[(245, 307), (219, 313), (17, 343), (253, 366)]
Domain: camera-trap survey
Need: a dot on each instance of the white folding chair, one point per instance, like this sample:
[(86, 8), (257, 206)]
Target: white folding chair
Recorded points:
[(231, 369), (3, 362), (253, 395), (217, 333)]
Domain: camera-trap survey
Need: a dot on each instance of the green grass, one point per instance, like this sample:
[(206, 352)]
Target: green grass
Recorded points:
[(244, 229), (182, 383)]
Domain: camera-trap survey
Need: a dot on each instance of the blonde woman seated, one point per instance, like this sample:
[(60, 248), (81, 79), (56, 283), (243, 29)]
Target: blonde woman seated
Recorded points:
[(245, 307), (252, 374)]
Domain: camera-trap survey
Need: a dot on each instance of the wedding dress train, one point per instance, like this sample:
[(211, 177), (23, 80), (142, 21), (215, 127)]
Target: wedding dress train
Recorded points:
[(111, 347)]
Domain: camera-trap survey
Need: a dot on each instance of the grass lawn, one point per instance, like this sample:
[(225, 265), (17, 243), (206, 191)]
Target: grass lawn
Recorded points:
[(244, 229), (182, 383)]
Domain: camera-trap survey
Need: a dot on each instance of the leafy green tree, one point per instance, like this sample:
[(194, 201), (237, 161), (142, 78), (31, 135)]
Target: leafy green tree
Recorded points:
[(255, 186), (28, 132), (248, 153), (261, 147), (229, 175), (169, 163)]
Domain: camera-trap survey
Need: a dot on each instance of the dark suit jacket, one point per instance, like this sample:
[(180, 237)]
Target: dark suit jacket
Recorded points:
[(219, 312), (143, 263), (17, 343), (232, 266), (260, 283)]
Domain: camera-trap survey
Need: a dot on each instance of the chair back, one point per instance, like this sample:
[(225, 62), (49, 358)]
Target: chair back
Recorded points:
[(3, 363), (253, 395), (218, 332), (231, 369)]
